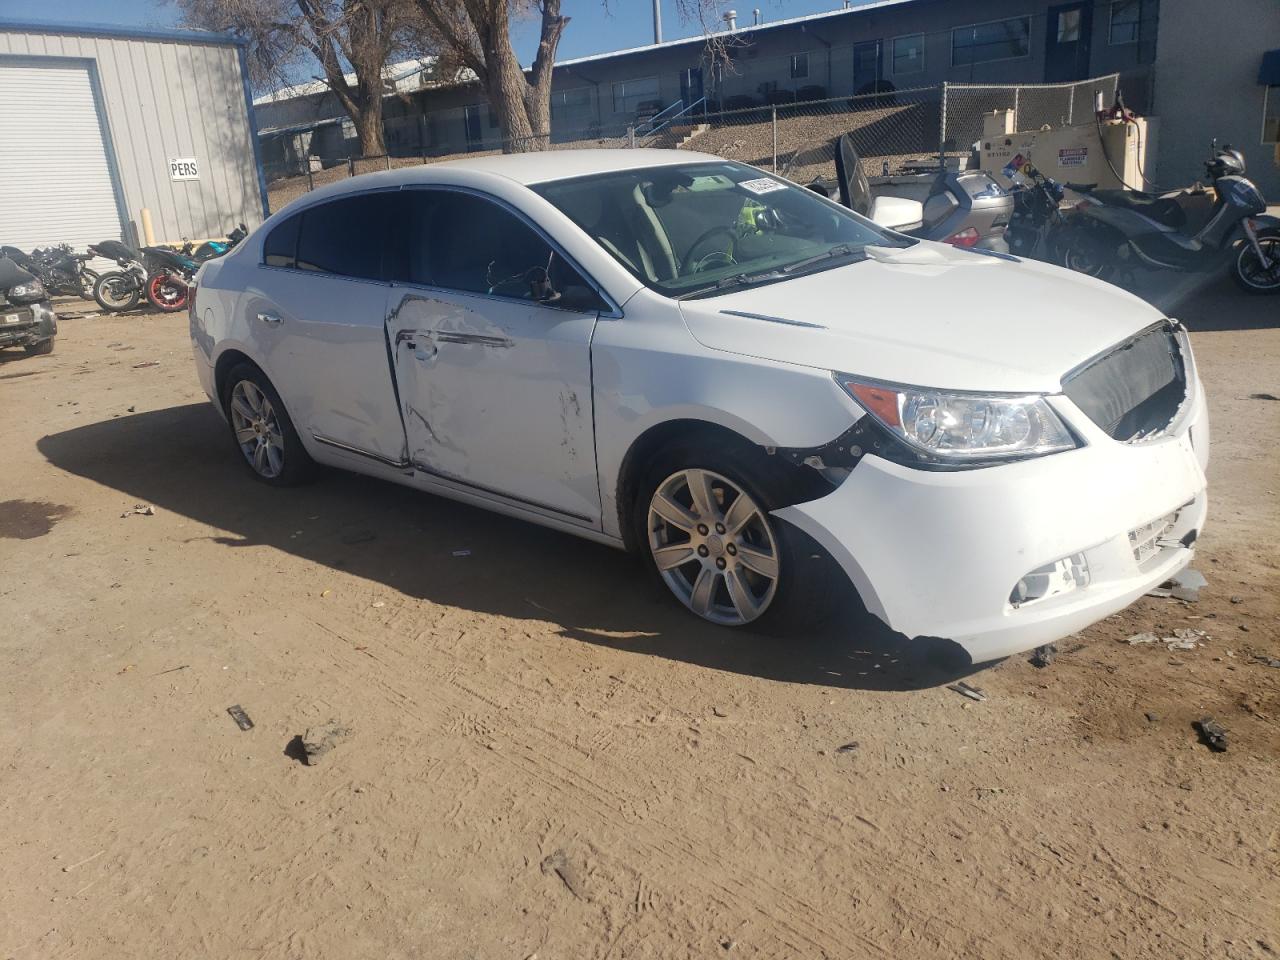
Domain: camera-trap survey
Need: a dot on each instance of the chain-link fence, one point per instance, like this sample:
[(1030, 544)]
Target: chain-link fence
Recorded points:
[(894, 131)]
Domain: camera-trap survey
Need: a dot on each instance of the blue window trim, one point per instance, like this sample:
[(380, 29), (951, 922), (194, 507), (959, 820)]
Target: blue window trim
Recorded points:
[(253, 133), (127, 33)]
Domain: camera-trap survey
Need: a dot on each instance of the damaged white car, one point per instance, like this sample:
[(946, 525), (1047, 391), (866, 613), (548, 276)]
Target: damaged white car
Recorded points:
[(693, 359)]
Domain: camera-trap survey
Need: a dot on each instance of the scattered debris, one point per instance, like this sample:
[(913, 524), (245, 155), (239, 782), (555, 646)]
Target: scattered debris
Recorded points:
[(240, 717), (71, 866), (185, 666), (848, 747), (146, 363), (1267, 661), (1160, 591), (126, 668), (718, 712), (379, 604), (1211, 732), (1138, 638), (1237, 599), (325, 593), (1044, 655), (141, 510), (319, 740), (962, 688), (559, 864), (132, 409), (1187, 585), (462, 553), (1152, 717)]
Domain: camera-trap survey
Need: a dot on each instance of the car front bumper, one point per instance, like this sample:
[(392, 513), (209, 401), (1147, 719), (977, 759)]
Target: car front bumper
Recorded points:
[(938, 554), (25, 325)]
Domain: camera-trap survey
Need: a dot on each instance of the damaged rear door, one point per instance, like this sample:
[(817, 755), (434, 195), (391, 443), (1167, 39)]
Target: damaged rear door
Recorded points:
[(492, 367)]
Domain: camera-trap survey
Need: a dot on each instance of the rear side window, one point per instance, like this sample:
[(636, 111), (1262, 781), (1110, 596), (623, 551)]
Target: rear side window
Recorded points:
[(463, 242), (345, 237), (281, 246)]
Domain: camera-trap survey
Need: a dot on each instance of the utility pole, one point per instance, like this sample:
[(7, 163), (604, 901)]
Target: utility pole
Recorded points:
[(657, 21)]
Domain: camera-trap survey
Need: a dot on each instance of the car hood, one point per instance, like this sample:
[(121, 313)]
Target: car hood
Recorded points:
[(929, 315)]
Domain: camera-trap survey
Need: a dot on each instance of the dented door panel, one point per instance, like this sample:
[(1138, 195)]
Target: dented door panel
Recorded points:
[(495, 393)]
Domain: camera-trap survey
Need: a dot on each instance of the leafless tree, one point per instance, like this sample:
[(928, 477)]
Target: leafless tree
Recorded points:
[(475, 36), (344, 37)]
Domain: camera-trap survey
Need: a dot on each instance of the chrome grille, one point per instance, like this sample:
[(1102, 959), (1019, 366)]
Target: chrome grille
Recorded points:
[(1133, 390)]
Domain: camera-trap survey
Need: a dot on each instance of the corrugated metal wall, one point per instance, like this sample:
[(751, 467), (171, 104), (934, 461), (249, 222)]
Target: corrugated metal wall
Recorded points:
[(165, 100)]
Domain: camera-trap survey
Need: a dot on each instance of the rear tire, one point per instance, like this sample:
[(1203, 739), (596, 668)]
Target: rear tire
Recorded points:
[(166, 293), (116, 292), (1247, 271), (262, 430), (726, 560)]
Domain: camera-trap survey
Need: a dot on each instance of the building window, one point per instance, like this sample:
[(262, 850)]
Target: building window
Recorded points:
[(908, 54), (1069, 26), (985, 42), (1271, 115), (799, 66), (1130, 21), (629, 94)]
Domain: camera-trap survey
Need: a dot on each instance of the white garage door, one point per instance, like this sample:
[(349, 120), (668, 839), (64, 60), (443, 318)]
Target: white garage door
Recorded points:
[(55, 184)]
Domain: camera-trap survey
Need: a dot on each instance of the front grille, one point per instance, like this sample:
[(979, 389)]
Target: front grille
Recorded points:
[(1145, 540), (1133, 390)]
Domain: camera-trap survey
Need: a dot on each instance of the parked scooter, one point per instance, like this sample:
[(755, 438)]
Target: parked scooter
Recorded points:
[(1114, 230), (966, 208), (62, 271), (26, 316)]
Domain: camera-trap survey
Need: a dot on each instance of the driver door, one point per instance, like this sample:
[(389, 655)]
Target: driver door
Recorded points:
[(490, 330)]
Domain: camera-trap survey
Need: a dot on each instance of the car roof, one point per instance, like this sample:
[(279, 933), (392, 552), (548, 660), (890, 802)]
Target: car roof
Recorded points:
[(546, 165)]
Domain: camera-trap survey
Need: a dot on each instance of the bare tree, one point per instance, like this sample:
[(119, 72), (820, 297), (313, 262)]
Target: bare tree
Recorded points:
[(475, 35), (344, 37)]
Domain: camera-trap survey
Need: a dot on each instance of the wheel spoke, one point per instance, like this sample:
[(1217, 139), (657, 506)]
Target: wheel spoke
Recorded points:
[(704, 502), (740, 594), (673, 513), (275, 459), (668, 558), (703, 590), (762, 563), (739, 514), (245, 435), (260, 462), (241, 406)]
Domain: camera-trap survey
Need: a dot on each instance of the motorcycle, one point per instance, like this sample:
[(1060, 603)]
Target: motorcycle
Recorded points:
[(62, 271), (1035, 228), (1113, 230), (170, 272), (119, 290)]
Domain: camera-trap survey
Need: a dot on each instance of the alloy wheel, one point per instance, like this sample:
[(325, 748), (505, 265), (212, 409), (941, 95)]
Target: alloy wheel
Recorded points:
[(1251, 270), (118, 292), (713, 547), (257, 430)]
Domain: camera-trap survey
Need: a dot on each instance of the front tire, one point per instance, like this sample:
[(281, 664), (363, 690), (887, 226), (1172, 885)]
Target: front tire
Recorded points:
[(116, 292), (1247, 270), (1087, 251), (262, 429), (41, 349), (167, 293), (701, 520)]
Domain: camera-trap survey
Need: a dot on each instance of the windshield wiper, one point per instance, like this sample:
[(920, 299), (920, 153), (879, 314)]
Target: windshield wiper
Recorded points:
[(839, 250), (737, 280)]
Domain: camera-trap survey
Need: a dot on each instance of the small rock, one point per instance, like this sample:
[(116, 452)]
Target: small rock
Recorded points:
[(718, 712), (1211, 732), (132, 409), (319, 740), (1152, 717), (1237, 599), (1044, 655), (848, 747)]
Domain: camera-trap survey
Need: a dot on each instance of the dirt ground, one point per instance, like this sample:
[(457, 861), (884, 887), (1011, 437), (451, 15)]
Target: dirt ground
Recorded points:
[(545, 757)]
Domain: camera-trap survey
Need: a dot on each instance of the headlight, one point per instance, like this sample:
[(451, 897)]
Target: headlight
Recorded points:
[(32, 289), (954, 427)]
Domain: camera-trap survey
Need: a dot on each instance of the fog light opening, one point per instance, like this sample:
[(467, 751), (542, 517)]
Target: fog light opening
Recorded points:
[(1051, 580)]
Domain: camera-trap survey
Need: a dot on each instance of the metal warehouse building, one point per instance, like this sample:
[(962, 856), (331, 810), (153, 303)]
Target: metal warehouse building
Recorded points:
[(145, 136)]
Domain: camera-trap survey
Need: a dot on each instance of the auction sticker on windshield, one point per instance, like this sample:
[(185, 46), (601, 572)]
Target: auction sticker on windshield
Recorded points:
[(762, 185)]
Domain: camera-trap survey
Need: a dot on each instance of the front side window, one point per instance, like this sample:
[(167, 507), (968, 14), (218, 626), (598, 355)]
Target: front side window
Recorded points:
[(799, 66), (908, 54), (985, 42), (464, 242), (344, 237), (701, 228), (628, 95), (281, 246)]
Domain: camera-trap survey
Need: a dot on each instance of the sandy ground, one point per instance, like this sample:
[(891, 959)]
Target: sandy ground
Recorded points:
[(545, 757)]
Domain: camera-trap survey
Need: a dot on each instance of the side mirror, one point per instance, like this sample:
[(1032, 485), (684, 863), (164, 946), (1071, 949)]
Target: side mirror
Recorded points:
[(581, 299)]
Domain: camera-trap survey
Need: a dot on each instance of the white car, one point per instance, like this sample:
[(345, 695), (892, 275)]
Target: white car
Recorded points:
[(693, 359)]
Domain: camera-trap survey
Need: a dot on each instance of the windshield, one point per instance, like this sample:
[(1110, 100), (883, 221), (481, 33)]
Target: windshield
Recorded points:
[(703, 228)]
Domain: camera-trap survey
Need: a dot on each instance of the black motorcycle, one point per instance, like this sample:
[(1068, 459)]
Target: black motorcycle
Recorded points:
[(119, 290), (62, 271), (1115, 230), (1036, 227)]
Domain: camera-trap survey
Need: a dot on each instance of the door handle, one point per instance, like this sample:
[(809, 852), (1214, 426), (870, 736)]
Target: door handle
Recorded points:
[(270, 319)]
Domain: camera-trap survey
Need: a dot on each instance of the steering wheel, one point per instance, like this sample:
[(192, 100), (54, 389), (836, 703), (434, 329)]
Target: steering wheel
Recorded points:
[(690, 264)]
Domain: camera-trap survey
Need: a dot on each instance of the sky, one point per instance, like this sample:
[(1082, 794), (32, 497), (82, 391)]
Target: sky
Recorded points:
[(596, 26)]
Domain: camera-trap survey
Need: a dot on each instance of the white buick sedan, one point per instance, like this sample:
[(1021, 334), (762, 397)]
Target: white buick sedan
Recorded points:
[(693, 359)]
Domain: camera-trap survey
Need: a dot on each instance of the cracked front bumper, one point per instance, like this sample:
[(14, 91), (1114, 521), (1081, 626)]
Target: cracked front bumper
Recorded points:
[(27, 324), (938, 554)]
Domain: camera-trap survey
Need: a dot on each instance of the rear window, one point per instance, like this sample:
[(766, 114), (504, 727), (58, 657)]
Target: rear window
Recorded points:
[(344, 237), (281, 246)]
